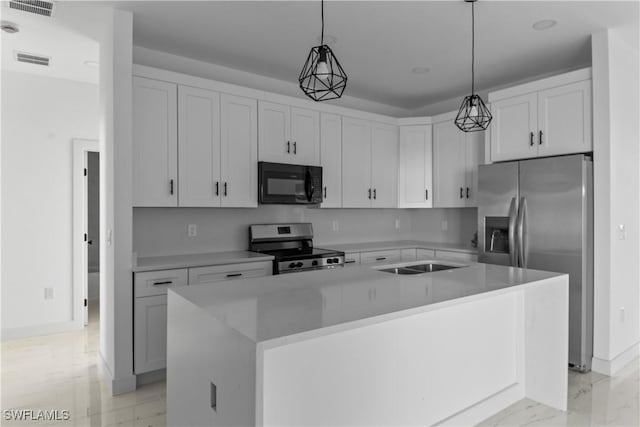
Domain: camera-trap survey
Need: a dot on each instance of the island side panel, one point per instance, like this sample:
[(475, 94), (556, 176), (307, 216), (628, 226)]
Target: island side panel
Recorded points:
[(201, 350), (418, 370), (546, 343)]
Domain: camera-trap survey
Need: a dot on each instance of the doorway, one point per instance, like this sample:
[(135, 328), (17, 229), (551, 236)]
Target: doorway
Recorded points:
[(93, 236)]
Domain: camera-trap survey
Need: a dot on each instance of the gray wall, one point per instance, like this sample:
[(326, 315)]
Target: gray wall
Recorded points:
[(163, 231)]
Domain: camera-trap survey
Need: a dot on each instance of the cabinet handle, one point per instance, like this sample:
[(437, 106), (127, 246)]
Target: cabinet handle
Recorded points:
[(166, 282), (382, 258), (426, 194), (213, 397), (531, 139), (171, 187), (467, 192), (217, 188), (325, 192), (369, 194), (375, 190), (234, 274), (225, 189), (350, 261), (461, 193), (288, 147), (540, 138), (295, 147)]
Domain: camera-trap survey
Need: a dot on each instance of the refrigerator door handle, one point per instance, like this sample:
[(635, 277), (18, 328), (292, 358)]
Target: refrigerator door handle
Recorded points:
[(512, 233), (522, 217)]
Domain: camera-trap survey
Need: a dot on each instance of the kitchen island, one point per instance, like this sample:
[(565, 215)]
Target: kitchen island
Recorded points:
[(359, 346)]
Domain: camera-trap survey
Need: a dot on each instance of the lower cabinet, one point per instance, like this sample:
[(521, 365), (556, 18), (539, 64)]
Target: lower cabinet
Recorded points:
[(380, 257), (423, 254), (351, 258), (408, 254), (218, 273), (150, 334), (462, 256)]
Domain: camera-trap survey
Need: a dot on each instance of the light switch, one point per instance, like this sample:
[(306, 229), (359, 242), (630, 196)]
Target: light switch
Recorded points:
[(335, 226), (622, 234), (192, 230)]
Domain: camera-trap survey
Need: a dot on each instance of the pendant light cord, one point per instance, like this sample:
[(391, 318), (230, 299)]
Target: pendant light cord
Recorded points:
[(322, 19), (473, 35)]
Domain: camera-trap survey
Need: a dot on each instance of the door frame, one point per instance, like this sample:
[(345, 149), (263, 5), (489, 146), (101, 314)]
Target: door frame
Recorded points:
[(81, 147)]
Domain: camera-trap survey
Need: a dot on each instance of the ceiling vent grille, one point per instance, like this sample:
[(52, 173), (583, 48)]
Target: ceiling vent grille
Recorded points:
[(30, 58), (39, 7)]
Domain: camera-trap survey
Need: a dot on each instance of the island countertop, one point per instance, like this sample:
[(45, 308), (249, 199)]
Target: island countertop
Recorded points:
[(272, 307)]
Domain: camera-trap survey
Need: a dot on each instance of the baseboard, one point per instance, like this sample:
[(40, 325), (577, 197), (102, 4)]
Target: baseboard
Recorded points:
[(613, 366), (38, 330), (486, 408), (151, 377), (118, 385)]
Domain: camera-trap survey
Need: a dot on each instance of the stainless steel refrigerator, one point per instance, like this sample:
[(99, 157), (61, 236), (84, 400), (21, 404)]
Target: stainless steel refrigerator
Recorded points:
[(539, 214)]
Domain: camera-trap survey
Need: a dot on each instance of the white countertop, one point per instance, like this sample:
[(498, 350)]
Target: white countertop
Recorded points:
[(400, 244), (197, 260), (278, 306)]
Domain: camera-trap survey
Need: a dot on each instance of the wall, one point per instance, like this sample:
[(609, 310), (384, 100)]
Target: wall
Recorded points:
[(163, 231), (40, 117), (616, 199)]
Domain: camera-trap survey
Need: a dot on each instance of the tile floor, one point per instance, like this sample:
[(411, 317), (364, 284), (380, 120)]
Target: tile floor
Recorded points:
[(60, 372)]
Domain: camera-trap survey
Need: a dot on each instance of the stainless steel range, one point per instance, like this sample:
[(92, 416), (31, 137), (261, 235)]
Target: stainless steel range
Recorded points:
[(292, 247)]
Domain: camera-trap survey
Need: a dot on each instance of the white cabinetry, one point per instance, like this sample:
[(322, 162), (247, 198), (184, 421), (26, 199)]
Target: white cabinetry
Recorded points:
[(455, 164), (546, 118), (381, 257), (415, 188), (461, 256), (369, 164), (155, 143), (408, 254), (219, 273), (288, 134), (351, 258), (331, 159), (424, 254)]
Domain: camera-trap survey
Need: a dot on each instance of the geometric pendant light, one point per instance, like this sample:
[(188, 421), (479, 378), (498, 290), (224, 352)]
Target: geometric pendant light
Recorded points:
[(322, 76), (473, 115)]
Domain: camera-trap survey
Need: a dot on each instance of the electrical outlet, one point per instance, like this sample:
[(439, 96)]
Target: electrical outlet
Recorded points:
[(445, 225), (622, 234), (397, 223), (335, 226), (48, 293), (192, 230), (621, 314)]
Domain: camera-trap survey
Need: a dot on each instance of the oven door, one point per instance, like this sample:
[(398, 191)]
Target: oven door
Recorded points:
[(281, 183)]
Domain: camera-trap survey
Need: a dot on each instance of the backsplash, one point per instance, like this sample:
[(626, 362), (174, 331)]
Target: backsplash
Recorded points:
[(163, 231)]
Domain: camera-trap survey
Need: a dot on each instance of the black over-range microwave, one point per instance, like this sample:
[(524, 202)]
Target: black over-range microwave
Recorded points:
[(285, 184)]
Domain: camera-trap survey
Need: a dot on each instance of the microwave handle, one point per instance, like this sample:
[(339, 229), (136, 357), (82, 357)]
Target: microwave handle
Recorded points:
[(309, 188)]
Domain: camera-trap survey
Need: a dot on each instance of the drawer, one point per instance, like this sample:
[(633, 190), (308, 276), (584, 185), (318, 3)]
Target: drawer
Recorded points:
[(150, 283), (422, 254), (351, 258), (408, 254), (462, 256), (380, 257), (219, 273)]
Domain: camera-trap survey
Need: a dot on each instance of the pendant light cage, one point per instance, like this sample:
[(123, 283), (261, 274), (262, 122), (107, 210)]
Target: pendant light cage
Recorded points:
[(473, 114), (322, 77)]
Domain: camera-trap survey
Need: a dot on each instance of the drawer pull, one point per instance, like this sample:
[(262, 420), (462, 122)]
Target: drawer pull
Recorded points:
[(382, 258), (234, 274), (166, 282), (350, 261)]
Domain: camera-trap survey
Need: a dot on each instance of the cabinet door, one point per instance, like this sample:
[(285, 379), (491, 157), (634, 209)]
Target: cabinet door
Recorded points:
[(380, 257), (425, 254), (564, 119), (219, 273), (414, 175), (474, 146), (239, 152), (408, 254), (155, 143), (274, 133), (150, 334), (356, 163), (305, 136), (384, 165), (198, 147), (351, 258), (331, 160), (514, 127), (449, 165)]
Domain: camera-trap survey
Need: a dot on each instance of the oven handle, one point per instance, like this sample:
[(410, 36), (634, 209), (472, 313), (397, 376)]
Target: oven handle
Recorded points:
[(309, 188)]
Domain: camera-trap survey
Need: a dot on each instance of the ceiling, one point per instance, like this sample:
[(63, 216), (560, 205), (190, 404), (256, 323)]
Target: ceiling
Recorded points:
[(45, 36), (379, 42)]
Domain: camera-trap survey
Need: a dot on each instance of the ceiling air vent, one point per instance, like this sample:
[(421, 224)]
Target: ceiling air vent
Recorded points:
[(39, 7), (32, 59)]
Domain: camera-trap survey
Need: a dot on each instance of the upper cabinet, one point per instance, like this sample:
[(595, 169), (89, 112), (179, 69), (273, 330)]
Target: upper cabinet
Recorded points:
[(155, 143), (546, 118), (455, 164), (415, 189), (331, 159), (288, 134), (369, 164)]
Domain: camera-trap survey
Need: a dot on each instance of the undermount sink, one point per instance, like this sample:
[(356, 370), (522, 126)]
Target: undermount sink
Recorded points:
[(420, 268)]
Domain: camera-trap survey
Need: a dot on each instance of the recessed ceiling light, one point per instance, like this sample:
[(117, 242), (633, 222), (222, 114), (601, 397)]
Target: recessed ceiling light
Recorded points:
[(420, 70), (328, 39), (545, 24), (92, 64), (9, 27)]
